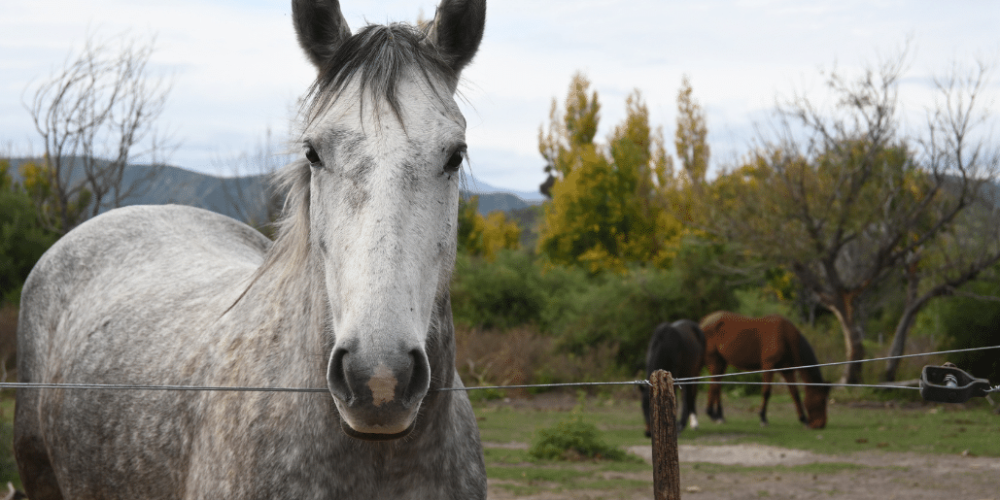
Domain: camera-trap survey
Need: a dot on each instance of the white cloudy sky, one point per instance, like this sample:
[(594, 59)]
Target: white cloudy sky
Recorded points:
[(237, 69)]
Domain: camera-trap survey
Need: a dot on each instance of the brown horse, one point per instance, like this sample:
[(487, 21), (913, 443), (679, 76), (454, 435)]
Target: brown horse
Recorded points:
[(767, 343)]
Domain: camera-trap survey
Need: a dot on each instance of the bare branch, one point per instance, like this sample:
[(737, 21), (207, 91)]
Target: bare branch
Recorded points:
[(96, 117)]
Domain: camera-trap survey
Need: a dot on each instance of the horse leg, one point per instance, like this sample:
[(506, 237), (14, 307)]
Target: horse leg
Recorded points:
[(690, 399), (35, 469), (766, 393), (716, 366), (644, 391), (794, 391)]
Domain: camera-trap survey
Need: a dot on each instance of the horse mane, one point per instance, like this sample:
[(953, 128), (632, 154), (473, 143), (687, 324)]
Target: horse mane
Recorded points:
[(711, 318), (808, 357), (291, 244), (380, 55)]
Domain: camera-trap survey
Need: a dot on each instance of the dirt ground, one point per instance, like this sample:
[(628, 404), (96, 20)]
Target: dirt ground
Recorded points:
[(892, 476)]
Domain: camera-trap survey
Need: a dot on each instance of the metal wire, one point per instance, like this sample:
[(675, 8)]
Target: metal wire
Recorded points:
[(735, 374), (128, 387), (814, 384), (680, 381), (532, 386)]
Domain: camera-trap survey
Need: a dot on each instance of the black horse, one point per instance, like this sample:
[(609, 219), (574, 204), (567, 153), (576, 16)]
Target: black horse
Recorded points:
[(678, 348)]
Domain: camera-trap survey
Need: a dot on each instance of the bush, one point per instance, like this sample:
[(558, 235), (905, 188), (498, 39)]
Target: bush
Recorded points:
[(969, 322), (499, 294), (22, 242), (573, 439)]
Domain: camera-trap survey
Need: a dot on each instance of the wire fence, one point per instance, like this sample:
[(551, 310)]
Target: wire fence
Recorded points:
[(708, 379)]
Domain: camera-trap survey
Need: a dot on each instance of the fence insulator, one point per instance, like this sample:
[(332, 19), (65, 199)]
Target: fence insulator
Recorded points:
[(663, 426)]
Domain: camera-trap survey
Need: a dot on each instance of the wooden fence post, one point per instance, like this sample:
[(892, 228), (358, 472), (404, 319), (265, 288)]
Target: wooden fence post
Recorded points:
[(663, 426)]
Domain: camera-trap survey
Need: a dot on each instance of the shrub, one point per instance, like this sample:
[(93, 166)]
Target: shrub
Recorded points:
[(622, 311), (573, 439), (499, 294), (968, 322)]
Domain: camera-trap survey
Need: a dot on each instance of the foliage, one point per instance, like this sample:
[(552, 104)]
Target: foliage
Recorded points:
[(499, 294), (585, 312), (969, 322), (605, 211), (485, 236), (845, 202), (573, 439), (22, 238), (57, 211), (623, 310), (691, 137)]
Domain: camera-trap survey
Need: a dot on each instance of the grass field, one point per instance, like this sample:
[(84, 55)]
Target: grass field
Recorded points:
[(854, 425)]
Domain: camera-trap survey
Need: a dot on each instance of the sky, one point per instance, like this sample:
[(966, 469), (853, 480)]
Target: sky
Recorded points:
[(237, 71)]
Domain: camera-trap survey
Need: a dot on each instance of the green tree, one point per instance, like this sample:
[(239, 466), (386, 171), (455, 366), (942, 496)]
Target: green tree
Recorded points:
[(54, 211), (22, 238)]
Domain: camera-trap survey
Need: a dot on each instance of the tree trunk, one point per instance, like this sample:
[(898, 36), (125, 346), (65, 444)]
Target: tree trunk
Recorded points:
[(899, 340), (854, 347), (912, 307)]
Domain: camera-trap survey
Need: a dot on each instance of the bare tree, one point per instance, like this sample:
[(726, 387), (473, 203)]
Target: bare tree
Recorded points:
[(845, 201), (970, 243), (95, 116)]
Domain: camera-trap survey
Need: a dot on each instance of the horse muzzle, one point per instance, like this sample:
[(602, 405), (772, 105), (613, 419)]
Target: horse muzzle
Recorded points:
[(378, 395)]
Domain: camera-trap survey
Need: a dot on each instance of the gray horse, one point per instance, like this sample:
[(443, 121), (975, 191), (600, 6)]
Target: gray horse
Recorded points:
[(352, 296)]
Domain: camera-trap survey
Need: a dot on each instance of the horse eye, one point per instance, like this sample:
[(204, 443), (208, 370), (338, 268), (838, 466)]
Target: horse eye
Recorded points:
[(313, 157), (455, 162)]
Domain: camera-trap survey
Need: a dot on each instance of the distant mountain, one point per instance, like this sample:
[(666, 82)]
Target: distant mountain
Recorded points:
[(244, 198), (473, 185)]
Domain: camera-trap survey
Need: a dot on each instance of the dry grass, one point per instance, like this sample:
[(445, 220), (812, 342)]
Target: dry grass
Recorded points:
[(523, 356), (8, 341)]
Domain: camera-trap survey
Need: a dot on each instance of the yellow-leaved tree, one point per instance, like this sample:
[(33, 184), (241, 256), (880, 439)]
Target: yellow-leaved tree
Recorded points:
[(485, 236), (606, 209)]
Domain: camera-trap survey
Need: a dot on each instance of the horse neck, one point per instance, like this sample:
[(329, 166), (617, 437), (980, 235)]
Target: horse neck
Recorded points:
[(806, 357)]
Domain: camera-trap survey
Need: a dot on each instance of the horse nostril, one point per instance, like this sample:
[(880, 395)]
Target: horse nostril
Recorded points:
[(337, 376), (419, 377)]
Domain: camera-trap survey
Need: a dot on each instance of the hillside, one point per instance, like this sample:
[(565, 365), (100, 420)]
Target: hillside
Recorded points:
[(243, 197)]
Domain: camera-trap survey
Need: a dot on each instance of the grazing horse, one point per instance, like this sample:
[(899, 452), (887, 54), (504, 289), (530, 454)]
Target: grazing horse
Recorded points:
[(351, 297), (763, 344), (678, 348)]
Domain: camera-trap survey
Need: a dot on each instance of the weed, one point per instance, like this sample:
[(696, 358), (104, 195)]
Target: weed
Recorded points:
[(573, 439)]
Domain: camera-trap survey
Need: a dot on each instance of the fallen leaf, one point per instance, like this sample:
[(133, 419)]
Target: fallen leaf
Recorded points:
[(861, 440), (882, 445), (692, 489)]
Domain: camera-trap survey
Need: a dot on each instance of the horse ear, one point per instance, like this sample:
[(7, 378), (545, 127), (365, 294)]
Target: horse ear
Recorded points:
[(457, 30), (320, 27)]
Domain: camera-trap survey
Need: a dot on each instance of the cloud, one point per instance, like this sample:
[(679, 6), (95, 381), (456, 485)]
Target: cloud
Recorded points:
[(237, 69)]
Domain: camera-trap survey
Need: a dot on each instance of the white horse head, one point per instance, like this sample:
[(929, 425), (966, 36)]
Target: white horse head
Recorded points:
[(382, 145)]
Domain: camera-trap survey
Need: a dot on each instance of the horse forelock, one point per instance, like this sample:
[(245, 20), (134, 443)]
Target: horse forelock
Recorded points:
[(378, 56)]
